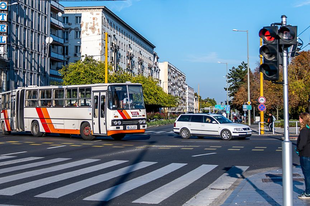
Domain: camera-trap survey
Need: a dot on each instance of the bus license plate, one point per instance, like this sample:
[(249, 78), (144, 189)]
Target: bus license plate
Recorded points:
[(131, 127)]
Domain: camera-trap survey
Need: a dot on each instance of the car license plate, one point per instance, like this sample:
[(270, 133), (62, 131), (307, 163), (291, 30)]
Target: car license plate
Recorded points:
[(131, 127)]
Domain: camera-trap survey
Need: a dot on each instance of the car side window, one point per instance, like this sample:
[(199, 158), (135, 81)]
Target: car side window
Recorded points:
[(197, 118), (208, 120), (184, 118)]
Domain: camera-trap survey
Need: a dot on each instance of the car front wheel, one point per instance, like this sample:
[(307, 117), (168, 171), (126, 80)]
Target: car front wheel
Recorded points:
[(226, 134), (185, 134)]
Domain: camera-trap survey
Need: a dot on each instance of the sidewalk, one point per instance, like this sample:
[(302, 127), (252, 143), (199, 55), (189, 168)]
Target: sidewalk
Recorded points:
[(293, 131), (266, 189)]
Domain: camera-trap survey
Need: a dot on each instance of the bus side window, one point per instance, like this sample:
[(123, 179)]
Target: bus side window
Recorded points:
[(96, 107), (102, 105)]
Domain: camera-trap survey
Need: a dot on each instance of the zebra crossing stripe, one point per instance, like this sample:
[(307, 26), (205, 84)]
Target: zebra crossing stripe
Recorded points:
[(30, 165), (45, 181), (162, 193), (6, 157), (62, 191), (213, 191), (120, 189), (45, 170), (19, 160)]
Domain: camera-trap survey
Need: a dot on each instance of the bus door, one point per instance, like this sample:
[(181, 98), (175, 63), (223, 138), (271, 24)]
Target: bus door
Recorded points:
[(99, 112), (13, 119)]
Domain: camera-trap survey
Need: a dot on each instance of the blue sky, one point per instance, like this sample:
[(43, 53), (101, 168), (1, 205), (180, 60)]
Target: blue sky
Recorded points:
[(194, 35)]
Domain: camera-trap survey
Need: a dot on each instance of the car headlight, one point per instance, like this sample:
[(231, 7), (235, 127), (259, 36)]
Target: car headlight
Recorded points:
[(238, 129)]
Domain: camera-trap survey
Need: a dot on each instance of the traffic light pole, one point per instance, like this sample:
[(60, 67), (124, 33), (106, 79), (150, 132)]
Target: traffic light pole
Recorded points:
[(286, 143)]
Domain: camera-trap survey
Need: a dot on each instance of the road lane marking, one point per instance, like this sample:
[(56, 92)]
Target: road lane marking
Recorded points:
[(56, 178), (33, 173), (57, 147), (219, 186), (68, 189), (120, 189), (15, 153), (19, 160), (162, 193), (204, 154), (30, 165)]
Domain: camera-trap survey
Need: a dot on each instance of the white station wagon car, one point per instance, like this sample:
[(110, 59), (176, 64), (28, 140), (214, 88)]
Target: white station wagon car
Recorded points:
[(201, 125)]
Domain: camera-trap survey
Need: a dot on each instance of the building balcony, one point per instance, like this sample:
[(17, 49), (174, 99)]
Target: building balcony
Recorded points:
[(57, 57), (57, 7), (54, 72), (56, 23), (57, 40)]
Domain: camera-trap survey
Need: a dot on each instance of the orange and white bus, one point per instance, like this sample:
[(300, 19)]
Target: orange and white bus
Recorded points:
[(114, 109)]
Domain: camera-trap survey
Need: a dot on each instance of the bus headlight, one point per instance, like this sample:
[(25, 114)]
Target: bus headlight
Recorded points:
[(116, 122), (142, 121)]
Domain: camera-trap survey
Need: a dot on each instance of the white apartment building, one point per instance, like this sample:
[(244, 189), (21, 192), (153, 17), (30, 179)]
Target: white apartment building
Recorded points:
[(85, 29), (190, 99), (173, 82)]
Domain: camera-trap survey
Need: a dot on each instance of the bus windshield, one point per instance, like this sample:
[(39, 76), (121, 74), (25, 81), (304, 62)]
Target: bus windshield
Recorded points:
[(126, 97)]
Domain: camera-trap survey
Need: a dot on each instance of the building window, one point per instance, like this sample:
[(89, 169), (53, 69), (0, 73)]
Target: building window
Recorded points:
[(66, 36), (66, 19), (77, 19), (77, 34), (77, 49)]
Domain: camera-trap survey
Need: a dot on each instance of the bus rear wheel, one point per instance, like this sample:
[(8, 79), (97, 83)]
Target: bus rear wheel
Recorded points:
[(35, 129), (3, 129), (85, 132), (118, 136)]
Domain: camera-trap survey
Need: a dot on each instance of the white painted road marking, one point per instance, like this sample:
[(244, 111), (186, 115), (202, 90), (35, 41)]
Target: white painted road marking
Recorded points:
[(33, 173), (212, 153), (62, 191), (162, 193), (30, 165), (120, 189), (45, 181), (213, 191)]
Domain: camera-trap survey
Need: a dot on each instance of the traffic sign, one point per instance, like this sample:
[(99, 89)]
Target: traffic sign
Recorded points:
[(245, 107), (249, 103), (261, 107), (262, 100)]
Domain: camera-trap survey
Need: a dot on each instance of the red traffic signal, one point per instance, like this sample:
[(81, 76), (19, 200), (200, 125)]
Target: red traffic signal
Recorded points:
[(269, 34)]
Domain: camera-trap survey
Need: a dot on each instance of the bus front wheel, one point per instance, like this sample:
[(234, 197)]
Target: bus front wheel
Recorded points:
[(35, 129), (86, 131)]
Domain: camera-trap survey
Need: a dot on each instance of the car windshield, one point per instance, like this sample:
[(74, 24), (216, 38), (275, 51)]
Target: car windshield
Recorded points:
[(222, 119)]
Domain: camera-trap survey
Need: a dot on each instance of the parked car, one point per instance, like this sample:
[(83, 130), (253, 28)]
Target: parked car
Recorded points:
[(201, 125)]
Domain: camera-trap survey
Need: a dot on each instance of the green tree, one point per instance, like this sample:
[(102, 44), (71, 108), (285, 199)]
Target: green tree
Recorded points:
[(236, 77), (90, 71)]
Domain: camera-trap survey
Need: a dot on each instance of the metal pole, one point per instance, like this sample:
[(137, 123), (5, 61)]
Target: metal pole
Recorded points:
[(286, 143), (106, 57), (249, 98), (227, 84), (261, 91)]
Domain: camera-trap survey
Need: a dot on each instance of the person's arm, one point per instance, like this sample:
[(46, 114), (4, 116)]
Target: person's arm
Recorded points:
[(303, 137)]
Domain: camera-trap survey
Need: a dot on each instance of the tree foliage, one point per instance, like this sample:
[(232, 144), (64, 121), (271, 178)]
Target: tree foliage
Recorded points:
[(90, 71)]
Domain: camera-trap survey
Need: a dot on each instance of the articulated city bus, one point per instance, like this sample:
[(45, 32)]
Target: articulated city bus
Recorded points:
[(114, 110)]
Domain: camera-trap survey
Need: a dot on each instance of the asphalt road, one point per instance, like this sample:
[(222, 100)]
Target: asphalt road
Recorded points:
[(156, 168)]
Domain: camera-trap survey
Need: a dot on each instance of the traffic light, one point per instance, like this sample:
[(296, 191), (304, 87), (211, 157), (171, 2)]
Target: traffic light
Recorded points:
[(271, 53), (288, 35)]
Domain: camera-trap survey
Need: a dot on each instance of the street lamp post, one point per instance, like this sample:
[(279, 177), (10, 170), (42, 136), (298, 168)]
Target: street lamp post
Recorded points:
[(248, 68), (226, 81)]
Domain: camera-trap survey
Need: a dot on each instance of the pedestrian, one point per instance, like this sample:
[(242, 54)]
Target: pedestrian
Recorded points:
[(270, 122), (303, 150)]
